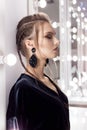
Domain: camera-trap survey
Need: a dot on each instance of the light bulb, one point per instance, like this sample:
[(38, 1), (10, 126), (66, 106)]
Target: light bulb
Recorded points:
[(83, 42), (10, 59), (74, 2), (78, 20), (74, 29), (78, 9), (74, 37), (84, 8), (82, 15), (71, 9), (75, 79), (42, 3), (74, 15), (74, 58), (54, 24), (68, 24), (85, 19)]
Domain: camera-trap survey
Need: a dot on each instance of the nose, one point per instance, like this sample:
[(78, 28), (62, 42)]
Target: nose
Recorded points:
[(57, 42)]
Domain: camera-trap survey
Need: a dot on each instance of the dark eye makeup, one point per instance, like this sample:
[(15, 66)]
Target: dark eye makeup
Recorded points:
[(49, 36)]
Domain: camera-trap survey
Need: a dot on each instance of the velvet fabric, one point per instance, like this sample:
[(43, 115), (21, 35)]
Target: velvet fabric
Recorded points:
[(36, 106)]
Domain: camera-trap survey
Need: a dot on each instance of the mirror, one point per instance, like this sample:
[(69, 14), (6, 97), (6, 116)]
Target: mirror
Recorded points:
[(69, 19)]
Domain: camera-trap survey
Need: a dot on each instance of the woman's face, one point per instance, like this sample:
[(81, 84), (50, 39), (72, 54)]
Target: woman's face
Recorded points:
[(47, 42)]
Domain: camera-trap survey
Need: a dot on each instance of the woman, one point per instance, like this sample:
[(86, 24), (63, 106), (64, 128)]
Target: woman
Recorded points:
[(35, 100)]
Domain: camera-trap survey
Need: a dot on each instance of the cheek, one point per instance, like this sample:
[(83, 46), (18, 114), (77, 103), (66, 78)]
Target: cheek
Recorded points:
[(46, 47), (45, 50), (46, 44)]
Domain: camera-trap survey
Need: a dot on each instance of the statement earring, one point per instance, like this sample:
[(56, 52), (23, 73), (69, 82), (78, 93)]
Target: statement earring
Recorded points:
[(33, 59), (47, 61)]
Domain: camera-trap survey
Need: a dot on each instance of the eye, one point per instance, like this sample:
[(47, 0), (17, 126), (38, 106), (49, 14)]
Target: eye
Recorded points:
[(49, 36)]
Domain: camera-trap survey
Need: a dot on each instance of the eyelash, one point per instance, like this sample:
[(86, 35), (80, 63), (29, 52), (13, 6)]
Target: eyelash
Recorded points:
[(49, 36)]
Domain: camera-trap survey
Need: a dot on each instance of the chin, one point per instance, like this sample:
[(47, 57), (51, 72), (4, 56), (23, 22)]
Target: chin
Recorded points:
[(54, 56)]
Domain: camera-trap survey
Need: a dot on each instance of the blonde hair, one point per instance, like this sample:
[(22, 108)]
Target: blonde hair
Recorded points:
[(25, 29)]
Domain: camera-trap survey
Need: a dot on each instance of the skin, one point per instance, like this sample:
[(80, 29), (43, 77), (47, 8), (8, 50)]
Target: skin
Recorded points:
[(47, 47), (48, 43)]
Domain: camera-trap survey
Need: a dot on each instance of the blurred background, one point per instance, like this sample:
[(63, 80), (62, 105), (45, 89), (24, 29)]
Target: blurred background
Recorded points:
[(68, 69)]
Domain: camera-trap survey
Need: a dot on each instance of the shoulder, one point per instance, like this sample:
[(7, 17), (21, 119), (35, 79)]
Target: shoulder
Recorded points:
[(24, 82), (22, 85), (18, 94)]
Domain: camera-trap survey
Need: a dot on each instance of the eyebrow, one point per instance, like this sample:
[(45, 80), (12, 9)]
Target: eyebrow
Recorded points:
[(51, 32)]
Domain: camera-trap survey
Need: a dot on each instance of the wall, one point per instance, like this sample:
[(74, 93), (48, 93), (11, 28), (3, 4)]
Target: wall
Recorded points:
[(10, 13), (14, 11), (2, 68), (78, 118)]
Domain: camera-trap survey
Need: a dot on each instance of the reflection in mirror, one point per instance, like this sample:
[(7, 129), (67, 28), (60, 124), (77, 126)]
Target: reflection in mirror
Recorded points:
[(78, 47), (69, 18), (51, 7)]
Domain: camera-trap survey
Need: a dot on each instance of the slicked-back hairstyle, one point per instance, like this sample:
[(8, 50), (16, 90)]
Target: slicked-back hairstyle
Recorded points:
[(25, 29)]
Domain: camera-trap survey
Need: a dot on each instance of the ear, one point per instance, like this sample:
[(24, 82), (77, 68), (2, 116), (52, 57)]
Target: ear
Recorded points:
[(29, 44)]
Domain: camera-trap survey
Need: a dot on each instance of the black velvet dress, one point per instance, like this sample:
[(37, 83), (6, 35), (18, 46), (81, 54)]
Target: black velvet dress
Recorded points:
[(36, 106)]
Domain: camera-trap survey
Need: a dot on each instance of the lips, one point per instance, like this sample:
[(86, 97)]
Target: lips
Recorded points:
[(55, 49)]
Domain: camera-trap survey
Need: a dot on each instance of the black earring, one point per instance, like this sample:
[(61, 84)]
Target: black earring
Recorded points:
[(47, 61), (33, 58)]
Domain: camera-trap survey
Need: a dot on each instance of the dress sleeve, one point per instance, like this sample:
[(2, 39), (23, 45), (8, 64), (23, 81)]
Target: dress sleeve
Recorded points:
[(18, 105), (11, 105)]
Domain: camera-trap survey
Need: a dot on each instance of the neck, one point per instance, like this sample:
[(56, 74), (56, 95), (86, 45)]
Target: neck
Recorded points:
[(38, 71)]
